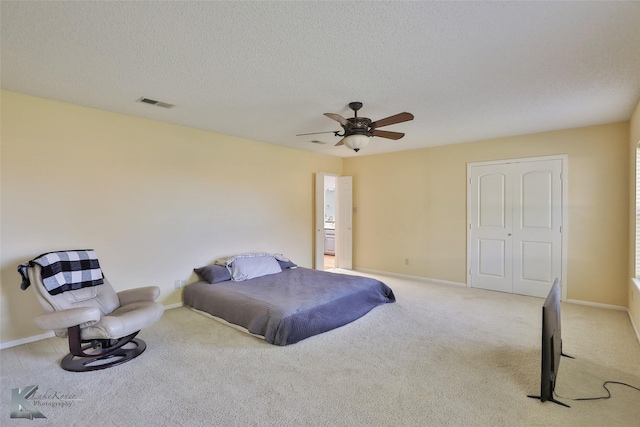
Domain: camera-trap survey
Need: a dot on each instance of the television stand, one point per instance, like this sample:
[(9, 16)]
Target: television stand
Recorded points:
[(550, 400)]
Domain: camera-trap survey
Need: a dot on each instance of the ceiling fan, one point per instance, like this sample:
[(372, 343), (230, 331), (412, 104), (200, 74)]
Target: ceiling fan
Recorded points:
[(358, 130)]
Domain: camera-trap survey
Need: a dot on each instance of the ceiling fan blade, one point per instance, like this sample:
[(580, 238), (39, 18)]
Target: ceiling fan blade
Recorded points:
[(392, 120), (315, 133), (387, 134), (341, 142), (338, 118)]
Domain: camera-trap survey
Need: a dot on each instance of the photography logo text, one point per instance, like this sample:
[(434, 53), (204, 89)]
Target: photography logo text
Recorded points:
[(25, 402)]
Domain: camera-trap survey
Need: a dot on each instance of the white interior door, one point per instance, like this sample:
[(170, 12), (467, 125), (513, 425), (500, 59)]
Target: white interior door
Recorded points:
[(537, 233), (491, 234), (515, 233), (318, 248), (344, 222)]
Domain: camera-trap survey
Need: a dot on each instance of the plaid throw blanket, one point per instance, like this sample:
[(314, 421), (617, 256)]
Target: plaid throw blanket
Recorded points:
[(65, 270)]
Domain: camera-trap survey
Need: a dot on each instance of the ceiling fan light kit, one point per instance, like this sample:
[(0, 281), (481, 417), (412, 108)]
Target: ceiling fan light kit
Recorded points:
[(356, 141), (358, 130)]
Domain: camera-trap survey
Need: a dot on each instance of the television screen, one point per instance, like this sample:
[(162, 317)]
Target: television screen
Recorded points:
[(551, 344)]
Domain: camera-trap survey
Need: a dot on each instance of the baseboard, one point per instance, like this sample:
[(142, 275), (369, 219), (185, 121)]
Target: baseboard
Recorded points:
[(51, 334), (176, 305), (634, 326), (597, 304), (409, 277), (26, 340)]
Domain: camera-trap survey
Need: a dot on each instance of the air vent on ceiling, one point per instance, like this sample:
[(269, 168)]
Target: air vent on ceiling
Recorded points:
[(156, 103), (315, 141)]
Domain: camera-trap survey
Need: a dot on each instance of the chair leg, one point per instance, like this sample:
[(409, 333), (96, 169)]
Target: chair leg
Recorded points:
[(111, 353)]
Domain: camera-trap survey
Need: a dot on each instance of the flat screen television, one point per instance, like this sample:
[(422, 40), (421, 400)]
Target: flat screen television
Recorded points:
[(551, 345)]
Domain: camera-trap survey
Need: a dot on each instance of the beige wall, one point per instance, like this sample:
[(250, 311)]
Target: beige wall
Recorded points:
[(412, 205), (634, 293), (154, 200)]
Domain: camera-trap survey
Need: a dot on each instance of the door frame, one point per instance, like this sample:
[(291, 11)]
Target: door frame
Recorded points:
[(318, 225), (564, 175)]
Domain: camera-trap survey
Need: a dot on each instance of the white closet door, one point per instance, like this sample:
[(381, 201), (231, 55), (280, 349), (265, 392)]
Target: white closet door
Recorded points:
[(515, 218), (490, 209), (537, 238)]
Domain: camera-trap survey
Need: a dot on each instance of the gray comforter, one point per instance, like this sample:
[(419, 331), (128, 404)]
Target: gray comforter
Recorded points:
[(290, 306)]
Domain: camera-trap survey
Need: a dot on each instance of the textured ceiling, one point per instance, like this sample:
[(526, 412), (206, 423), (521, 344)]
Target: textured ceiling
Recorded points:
[(267, 71)]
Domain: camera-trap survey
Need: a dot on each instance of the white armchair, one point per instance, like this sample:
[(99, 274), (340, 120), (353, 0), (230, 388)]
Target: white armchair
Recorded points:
[(100, 324)]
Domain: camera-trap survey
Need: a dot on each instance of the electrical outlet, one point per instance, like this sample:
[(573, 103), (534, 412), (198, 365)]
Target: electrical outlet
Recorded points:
[(177, 284)]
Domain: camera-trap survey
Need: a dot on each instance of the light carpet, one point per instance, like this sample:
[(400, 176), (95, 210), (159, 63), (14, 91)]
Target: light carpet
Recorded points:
[(440, 355)]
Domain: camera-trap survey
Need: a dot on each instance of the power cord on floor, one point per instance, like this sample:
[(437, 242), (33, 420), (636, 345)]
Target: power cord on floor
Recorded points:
[(604, 385)]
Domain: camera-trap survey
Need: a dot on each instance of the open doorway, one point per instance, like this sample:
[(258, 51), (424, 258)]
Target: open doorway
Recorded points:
[(333, 221), (329, 222)]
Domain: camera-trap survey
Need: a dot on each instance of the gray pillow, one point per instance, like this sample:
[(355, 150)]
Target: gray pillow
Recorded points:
[(213, 273), (286, 264), (251, 267)]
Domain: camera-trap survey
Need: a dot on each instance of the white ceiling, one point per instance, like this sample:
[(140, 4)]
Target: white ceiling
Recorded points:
[(267, 71)]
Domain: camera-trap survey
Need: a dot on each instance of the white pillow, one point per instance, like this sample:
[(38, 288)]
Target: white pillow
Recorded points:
[(249, 267)]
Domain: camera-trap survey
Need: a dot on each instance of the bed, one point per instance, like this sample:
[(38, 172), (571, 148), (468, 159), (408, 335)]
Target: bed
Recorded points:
[(289, 305)]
